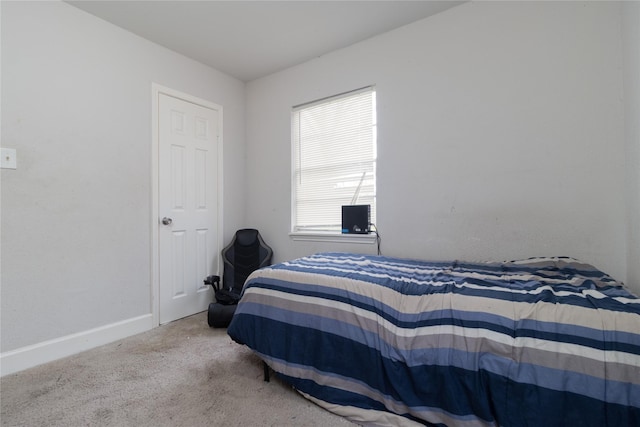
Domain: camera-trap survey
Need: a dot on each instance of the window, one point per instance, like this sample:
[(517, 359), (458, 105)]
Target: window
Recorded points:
[(334, 159)]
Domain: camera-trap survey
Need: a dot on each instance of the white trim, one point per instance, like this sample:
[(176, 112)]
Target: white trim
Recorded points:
[(48, 351), (156, 90), (333, 237)]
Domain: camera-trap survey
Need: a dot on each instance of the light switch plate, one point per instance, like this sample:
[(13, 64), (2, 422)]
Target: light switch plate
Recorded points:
[(8, 159)]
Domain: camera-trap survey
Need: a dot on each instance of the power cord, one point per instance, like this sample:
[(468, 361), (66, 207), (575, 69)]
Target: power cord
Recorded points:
[(378, 237)]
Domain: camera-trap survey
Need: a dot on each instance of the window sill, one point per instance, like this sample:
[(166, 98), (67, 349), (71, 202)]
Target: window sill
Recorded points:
[(333, 237)]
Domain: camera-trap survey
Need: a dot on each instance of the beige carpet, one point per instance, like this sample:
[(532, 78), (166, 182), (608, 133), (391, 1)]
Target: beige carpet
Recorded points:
[(180, 374)]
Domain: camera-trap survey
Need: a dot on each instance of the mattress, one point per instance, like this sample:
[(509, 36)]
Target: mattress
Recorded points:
[(389, 341)]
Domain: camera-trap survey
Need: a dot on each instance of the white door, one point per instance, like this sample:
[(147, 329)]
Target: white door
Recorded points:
[(187, 206)]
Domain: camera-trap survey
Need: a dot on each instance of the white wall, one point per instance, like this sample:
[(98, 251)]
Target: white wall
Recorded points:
[(631, 45), (500, 134), (76, 214)]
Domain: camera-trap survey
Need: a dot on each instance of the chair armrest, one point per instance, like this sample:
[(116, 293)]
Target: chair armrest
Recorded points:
[(213, 280)]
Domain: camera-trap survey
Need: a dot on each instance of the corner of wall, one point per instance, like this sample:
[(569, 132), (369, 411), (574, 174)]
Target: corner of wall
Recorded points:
[(630, 12)]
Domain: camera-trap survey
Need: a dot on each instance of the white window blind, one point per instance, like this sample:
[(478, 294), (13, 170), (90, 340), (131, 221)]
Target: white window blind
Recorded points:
[(334, 159)]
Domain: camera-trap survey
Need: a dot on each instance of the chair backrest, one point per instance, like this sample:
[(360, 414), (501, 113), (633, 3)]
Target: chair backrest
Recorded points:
[(246, 253)]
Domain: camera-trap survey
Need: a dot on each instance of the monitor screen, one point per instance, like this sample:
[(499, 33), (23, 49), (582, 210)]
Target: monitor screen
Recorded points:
[(356, 219)]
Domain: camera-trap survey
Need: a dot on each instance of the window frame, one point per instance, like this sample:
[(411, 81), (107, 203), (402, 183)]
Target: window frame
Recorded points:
[(299, 233)]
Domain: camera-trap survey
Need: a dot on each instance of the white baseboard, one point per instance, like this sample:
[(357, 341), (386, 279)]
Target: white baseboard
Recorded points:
[(48, 351)]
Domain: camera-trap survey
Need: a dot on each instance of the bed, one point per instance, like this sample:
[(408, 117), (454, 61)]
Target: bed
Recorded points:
[(386, 341)]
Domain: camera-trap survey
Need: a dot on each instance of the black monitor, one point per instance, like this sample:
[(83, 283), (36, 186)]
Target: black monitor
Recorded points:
[(356, 219)]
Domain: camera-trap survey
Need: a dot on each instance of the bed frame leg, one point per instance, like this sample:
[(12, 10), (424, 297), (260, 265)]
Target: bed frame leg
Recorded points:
[(266, 371)]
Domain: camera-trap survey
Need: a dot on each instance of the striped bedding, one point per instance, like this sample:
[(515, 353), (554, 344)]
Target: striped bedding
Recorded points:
[(385, 341)]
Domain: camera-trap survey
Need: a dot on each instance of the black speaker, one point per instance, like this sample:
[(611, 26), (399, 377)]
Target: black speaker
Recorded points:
[(356, 219)]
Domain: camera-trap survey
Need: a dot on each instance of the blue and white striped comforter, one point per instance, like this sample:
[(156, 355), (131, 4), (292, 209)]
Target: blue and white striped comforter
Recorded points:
[(538, 342)]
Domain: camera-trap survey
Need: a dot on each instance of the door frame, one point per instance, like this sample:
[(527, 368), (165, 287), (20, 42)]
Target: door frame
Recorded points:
[(156, 91)]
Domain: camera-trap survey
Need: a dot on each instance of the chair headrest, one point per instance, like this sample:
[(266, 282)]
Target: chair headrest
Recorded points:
[(246, 237)]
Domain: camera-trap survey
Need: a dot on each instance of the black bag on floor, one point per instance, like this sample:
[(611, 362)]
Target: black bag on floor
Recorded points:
[(221, 311), (220, 315)]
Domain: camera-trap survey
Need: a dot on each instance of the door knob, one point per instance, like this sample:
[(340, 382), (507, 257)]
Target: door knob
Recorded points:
[(166, 221)]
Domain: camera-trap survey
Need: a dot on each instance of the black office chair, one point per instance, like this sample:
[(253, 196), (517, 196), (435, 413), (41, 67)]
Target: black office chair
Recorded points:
[(246, 253)]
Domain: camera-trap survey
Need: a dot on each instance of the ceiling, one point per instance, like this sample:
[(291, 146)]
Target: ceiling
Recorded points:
[(251, 39)]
